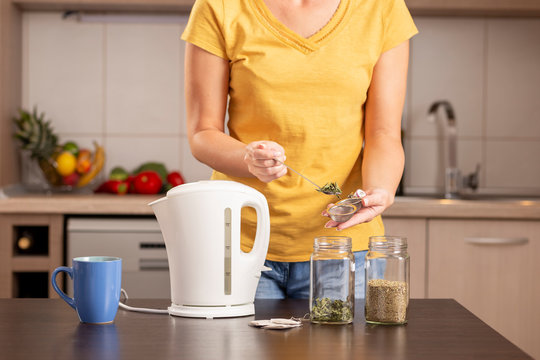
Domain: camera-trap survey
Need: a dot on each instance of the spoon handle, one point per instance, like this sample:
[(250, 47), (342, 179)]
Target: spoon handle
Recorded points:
[(290, 168)]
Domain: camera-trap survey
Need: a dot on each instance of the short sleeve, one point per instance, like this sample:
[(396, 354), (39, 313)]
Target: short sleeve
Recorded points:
[(398, 25), (205, 27)]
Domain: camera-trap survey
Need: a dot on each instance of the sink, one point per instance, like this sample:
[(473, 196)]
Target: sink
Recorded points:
[(486, 197)]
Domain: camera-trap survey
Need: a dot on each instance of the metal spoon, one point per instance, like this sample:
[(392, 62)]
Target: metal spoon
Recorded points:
[(317, 186)]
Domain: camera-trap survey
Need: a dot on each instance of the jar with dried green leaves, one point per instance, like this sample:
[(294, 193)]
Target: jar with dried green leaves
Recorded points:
[(332, 281)]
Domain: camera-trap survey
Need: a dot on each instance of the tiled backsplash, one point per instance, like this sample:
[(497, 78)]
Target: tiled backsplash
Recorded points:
[(489, 70), (122, 84)]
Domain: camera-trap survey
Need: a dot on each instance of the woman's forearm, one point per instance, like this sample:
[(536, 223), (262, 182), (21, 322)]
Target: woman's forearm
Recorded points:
[(383, 163), (220, 151), (383, 153), (206, 88)]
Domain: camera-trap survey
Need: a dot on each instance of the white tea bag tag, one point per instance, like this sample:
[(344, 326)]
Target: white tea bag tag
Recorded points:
[(275, 324)]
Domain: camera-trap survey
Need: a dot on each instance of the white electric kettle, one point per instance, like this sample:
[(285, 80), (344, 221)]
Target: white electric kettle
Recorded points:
[(210, 275)]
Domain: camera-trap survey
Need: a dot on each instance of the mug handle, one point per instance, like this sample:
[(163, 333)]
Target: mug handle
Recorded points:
[(69, 271)]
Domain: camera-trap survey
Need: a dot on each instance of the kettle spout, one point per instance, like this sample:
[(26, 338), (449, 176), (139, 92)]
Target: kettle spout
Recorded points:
[(161, 210), (159, 207)]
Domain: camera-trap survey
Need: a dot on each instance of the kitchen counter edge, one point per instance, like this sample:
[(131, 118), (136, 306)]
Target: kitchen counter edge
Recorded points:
[(411, 207), (96, 204)]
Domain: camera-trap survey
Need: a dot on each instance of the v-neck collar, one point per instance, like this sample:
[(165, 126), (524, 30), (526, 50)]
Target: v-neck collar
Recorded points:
[(285, 34)]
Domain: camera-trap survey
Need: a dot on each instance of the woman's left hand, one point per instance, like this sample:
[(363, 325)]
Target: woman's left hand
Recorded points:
[(373, 204)]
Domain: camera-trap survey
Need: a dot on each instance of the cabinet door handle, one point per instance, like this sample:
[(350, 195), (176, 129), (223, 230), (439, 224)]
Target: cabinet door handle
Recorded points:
[(496, 241)]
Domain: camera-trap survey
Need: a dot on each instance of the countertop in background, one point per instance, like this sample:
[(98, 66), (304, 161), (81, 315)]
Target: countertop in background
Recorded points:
[(404, 206)]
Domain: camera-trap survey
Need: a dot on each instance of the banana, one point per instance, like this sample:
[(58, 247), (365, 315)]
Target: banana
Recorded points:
[(97, 164)]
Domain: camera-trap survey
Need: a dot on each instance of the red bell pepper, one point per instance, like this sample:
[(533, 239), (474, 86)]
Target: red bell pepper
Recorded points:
[(130, 180), (118, 187), (147, 182)]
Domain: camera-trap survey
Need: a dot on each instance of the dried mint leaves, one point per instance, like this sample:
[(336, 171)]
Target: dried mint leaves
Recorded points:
[(331, 188), (328, 310)]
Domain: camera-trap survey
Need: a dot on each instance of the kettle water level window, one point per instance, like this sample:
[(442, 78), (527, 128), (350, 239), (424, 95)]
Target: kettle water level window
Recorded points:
[(227, 252)]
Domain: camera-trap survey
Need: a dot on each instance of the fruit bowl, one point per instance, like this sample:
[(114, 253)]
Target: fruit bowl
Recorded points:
[(71, 168), (48, 165), (68, 169)]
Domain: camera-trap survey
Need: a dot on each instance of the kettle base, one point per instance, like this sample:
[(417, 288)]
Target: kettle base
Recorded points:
[(210, 312)]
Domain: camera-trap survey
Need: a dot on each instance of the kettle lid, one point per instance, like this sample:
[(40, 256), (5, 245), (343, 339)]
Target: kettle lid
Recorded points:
[(210, 186)]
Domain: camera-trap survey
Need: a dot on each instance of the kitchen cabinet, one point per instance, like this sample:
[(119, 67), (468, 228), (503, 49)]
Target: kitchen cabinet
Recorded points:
[(25, 273), (415, 232), (417, 7), (475, 7), (10, 87), (491, 268), (107, 5)]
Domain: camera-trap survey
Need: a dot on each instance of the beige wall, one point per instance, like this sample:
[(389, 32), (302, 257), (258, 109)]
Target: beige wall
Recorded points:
[(122, 84), (117, 82)]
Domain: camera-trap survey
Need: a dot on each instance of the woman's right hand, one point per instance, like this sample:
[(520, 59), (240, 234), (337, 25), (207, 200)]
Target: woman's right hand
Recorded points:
[(259, 159)]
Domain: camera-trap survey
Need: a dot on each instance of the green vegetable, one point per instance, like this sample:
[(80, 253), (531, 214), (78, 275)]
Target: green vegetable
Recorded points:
[(153, 166), (118, 173), (330, 189), (327, 310)]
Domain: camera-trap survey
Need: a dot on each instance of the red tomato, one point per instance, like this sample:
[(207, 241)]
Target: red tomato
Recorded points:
[(175, 178), (147, 182)]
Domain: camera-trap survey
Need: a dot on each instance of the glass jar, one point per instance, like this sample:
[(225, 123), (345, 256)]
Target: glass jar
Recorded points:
[(331, 293), (387, 280)]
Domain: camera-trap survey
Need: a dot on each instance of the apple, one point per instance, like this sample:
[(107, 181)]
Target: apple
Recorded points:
[(70, 179)]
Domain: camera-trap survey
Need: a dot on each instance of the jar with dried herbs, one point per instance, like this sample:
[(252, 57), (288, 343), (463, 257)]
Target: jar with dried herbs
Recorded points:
[(332, 281), (387, 280)]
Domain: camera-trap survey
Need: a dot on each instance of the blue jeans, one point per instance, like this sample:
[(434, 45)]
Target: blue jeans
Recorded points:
[(291, 279)]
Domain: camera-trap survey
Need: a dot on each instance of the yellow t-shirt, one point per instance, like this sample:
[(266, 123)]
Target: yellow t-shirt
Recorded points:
[(307, 94)]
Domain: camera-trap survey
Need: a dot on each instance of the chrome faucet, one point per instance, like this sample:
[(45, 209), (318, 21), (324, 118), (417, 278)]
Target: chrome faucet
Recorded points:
[(452, 175)]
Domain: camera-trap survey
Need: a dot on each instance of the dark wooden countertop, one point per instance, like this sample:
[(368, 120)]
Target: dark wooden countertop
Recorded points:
[(437, 329)]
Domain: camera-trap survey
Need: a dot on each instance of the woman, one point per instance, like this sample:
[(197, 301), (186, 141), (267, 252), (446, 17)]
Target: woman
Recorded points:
[(319, 84)]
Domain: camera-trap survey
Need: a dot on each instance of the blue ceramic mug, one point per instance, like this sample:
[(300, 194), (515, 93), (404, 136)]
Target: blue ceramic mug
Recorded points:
[(96, 287)]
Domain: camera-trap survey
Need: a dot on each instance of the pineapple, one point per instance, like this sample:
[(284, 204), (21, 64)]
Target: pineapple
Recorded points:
[(37, 136)]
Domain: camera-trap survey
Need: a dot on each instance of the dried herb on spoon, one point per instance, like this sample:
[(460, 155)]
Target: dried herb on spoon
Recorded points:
[(330, 189)]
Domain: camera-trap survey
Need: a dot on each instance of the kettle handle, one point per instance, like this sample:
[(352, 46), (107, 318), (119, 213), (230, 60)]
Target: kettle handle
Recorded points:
[(262, 236)]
